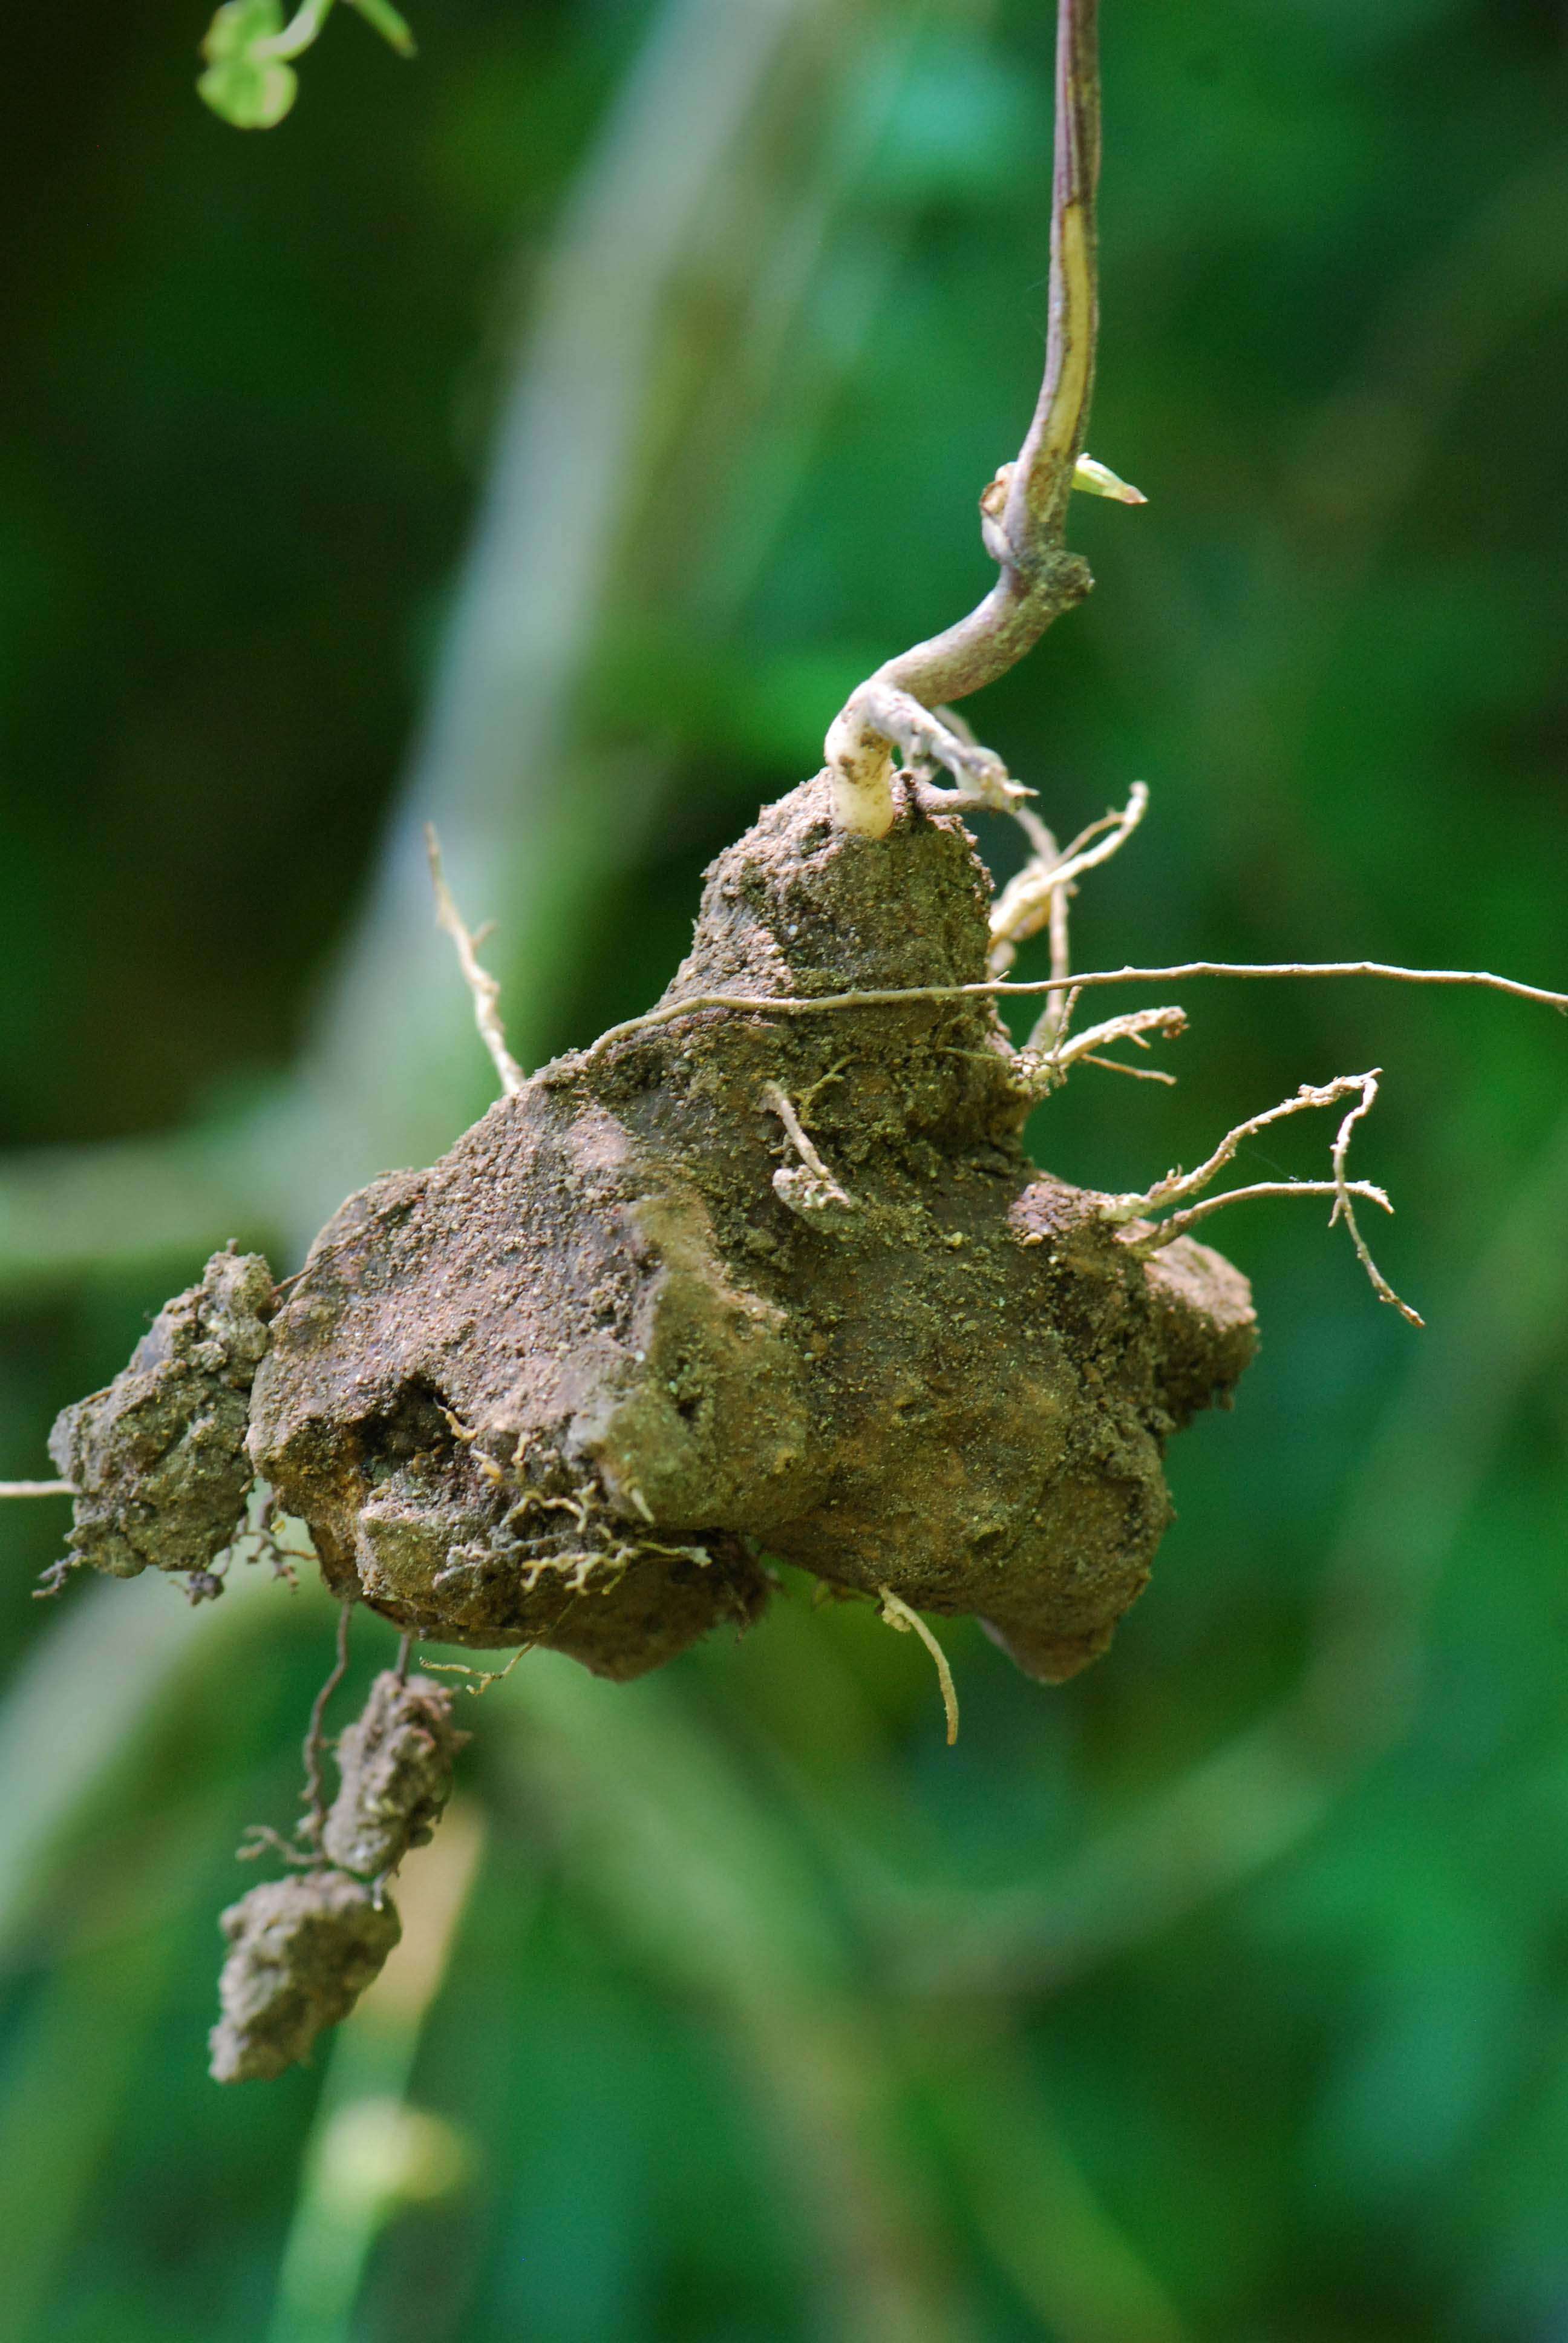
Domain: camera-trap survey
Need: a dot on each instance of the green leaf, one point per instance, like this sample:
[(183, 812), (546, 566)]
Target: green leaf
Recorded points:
[(387, 23), (243, 83)]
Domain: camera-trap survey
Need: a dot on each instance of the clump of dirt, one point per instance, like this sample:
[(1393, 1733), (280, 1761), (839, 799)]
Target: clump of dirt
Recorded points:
[(744, 1286), (395, 1767), (158, 1458), (303, 1948), (302, 1951)]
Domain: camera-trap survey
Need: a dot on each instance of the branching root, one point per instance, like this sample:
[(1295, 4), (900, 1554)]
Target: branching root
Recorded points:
[(1045, 1069), (1039, 894), (477, 1681), (1178, 1186), (807, 1189), (1343, 1191)]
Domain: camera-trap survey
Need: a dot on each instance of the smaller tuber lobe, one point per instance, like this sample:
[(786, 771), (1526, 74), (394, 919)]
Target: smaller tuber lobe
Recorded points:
[(158, 1458), (302, 1951), (396, 1763)]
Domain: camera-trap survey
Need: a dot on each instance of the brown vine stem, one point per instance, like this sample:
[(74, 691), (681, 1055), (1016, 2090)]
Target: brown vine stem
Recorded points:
[(1024, 511)]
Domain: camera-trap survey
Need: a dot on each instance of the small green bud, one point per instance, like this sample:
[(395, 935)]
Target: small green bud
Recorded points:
[(1099, 480)]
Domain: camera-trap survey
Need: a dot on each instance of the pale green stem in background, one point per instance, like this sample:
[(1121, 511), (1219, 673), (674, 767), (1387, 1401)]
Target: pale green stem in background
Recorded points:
[(370, 2153), (302, 28), (67, 2075), (71, 1724), (85, 1692), (1041, 2223)]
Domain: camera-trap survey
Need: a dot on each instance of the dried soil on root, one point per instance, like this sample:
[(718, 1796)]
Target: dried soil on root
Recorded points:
[(301, 1952), (158, 1458), (566, 1385)]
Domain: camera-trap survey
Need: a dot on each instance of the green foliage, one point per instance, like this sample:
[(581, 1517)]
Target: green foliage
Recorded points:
[(383, 18), (248, 81)]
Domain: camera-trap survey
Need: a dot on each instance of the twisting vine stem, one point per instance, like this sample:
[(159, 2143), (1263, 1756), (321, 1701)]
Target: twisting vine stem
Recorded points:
[(1024, 511)]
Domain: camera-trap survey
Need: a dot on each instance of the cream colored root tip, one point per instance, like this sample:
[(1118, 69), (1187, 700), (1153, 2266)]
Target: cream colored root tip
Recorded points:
[(483, 989), (899, 1615)]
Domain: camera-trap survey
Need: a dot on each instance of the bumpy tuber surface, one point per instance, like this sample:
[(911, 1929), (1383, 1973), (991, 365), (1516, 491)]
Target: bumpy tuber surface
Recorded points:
[(565, 1386), (158, 1459)]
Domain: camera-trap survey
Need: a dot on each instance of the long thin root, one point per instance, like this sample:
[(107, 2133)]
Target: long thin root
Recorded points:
[(484, 990)]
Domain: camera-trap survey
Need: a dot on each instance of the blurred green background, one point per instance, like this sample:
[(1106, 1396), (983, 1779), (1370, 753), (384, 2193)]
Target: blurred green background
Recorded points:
[(543, 438)]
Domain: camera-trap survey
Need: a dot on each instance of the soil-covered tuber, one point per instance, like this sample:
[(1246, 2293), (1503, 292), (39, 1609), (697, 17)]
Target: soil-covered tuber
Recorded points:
[(569, 1385)]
